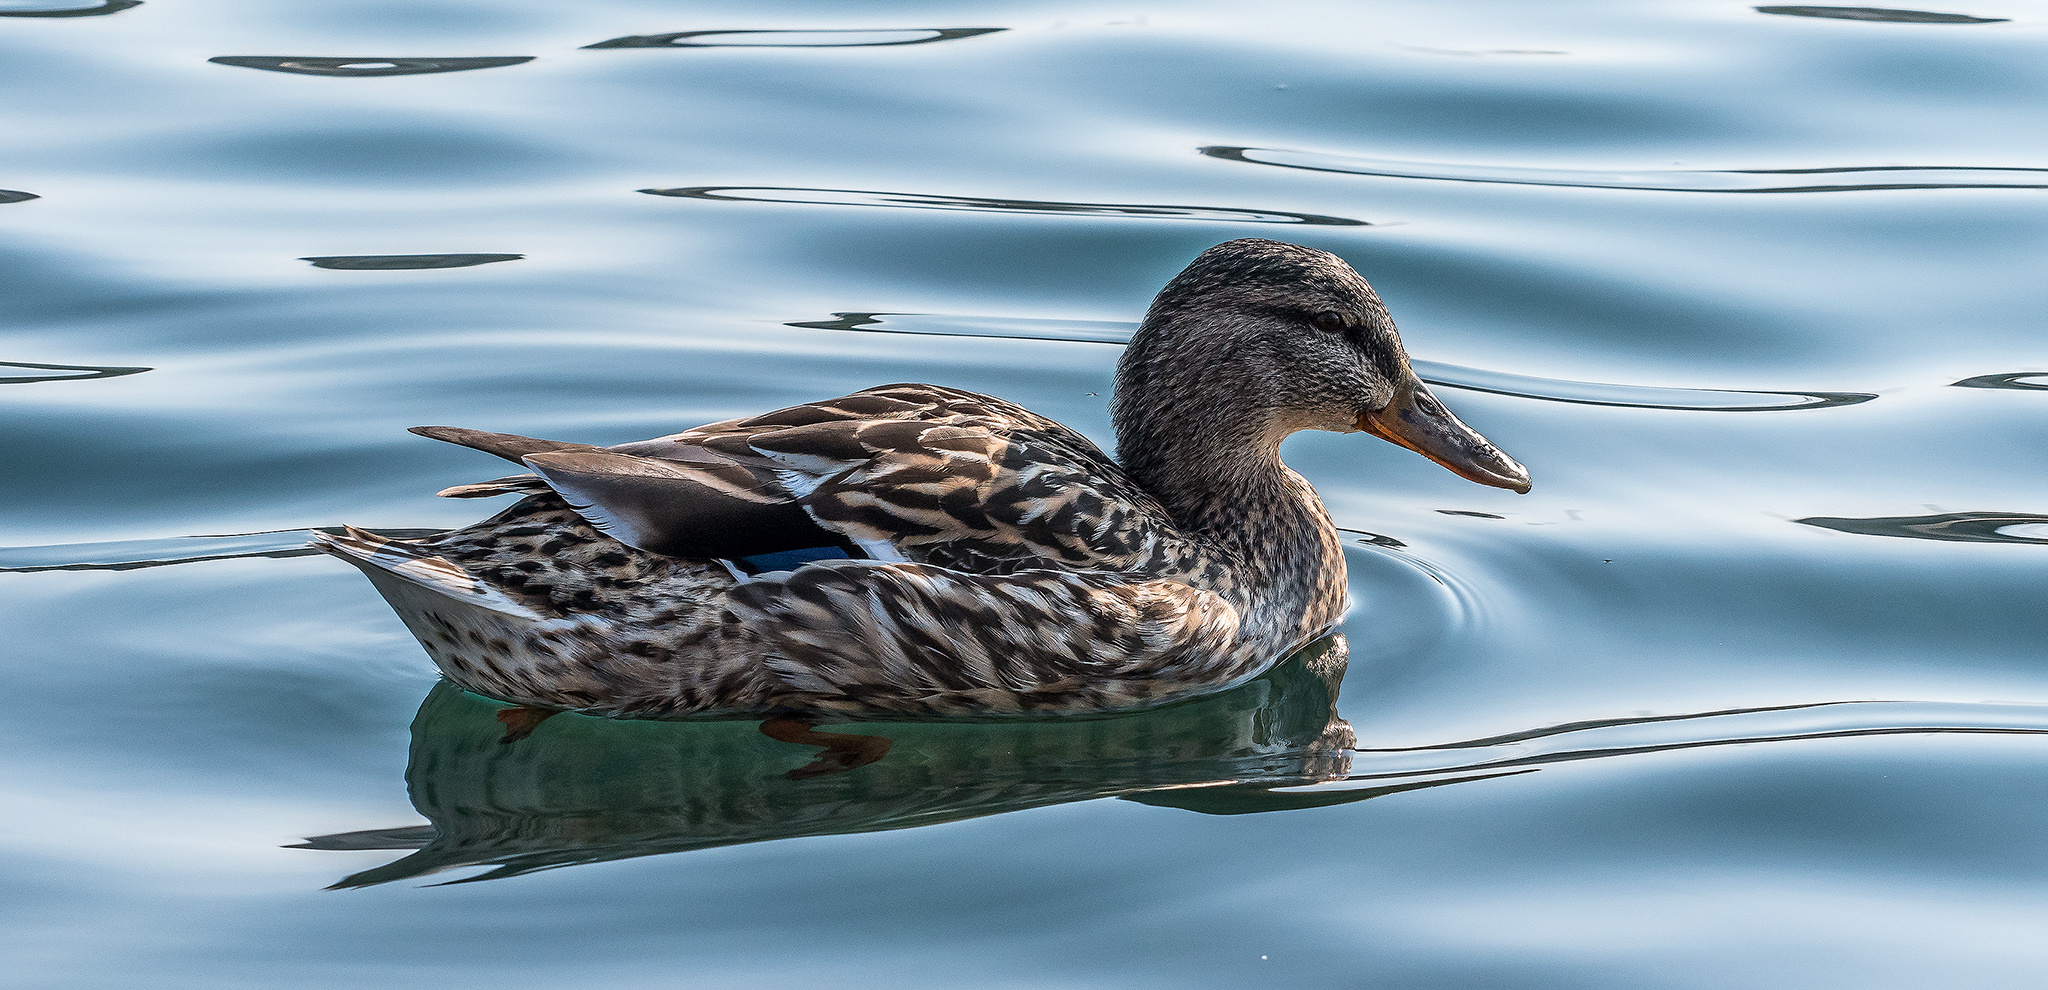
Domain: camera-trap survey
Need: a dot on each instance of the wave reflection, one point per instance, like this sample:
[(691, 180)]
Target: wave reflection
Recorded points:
[(406, 262), (1881, 14), (1607, 738), (16, 196), (1630, 396), (1947, 527), (586, 790), (90, 10), (592, 790), (1433, 372), (2027, 380), (1011, 327), (817, 38), (84, 371), (369, 66), (1763, 180), (129, 555), (977, 204)]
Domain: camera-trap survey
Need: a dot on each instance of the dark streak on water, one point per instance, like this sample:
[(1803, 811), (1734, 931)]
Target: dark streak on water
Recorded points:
[(1880, 14), (368, 65), (1374, 539), (406, 262), (977, 204), (103, 7), (129, 555), (85, 371), (856, 38), (2028, 380), (1632, 396), (16, 196), (1749, 180), (1433, 372), (1947, 527)]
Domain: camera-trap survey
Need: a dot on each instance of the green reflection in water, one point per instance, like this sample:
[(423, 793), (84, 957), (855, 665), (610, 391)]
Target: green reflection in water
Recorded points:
[(586, 790)]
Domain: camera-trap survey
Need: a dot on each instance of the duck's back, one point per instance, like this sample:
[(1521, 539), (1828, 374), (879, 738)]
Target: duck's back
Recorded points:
[(895, 473)]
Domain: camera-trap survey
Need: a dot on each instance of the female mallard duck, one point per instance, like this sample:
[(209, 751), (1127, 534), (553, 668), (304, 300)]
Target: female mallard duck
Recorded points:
[(913, 551)]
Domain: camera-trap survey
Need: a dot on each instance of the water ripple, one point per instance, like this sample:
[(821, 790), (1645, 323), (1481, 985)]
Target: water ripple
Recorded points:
[(1371, 539), (1947, 527), (1433, 372), (977, 204), (1881, 14), (367, 66), (1010, 327), (90, 10), (406, 262), (1630, 396), (129, 555), (2028, 380), (567, 799), (818, 38), (1862, 178), (85, 371), (16, 196), (1607, 738)]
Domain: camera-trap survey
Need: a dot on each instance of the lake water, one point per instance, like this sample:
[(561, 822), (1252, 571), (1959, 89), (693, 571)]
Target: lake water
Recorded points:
[(1750, 691)]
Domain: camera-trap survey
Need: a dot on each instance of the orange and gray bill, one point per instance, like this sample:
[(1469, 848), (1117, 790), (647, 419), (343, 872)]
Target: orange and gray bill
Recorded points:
[(1417, 421)]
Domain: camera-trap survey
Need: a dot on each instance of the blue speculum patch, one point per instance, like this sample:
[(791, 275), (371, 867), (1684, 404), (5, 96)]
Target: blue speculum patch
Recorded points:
[(789, 560)]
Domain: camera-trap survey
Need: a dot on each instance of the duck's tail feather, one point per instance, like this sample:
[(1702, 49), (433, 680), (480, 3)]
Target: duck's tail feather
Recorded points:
[(416, 567), (517, 484), (509, 446)]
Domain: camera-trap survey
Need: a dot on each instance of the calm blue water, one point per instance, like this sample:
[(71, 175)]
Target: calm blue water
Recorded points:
[(1749, 692)]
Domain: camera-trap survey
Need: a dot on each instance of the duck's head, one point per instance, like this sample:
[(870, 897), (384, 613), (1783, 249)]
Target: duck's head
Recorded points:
[(1258, 339)]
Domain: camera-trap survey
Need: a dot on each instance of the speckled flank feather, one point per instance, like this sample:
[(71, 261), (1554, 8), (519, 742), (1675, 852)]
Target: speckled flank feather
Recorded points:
[(997, 563)]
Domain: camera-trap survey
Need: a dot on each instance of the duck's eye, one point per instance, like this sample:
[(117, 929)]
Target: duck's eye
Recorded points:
[(1329, 321)]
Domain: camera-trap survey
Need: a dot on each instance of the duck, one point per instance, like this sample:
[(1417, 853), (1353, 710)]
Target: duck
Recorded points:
[(913, 551)]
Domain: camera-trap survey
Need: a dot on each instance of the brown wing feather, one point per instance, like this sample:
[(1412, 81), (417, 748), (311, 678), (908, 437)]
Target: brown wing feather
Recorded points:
[(917, 472)]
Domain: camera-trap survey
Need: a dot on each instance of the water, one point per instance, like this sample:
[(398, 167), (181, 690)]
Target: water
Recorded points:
[(1748, 692)]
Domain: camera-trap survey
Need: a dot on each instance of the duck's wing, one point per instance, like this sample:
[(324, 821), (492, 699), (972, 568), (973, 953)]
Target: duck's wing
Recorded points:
[(937, 475), (903, 472), (692, 501), (867, 637)]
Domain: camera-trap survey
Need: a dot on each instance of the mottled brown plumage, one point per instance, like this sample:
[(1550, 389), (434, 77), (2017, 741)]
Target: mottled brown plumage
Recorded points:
[(996, 563)]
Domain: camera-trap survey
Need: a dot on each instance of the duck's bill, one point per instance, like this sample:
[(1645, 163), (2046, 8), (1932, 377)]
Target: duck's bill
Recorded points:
[(1417, 421)]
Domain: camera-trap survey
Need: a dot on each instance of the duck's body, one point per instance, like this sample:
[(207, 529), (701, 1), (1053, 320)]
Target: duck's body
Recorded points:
[(912, 551)]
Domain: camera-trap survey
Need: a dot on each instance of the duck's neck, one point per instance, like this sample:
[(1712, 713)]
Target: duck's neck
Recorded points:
[(1214, 464)]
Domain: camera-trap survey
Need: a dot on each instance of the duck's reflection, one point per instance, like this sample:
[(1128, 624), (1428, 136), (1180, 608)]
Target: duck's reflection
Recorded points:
[(583, 790)]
